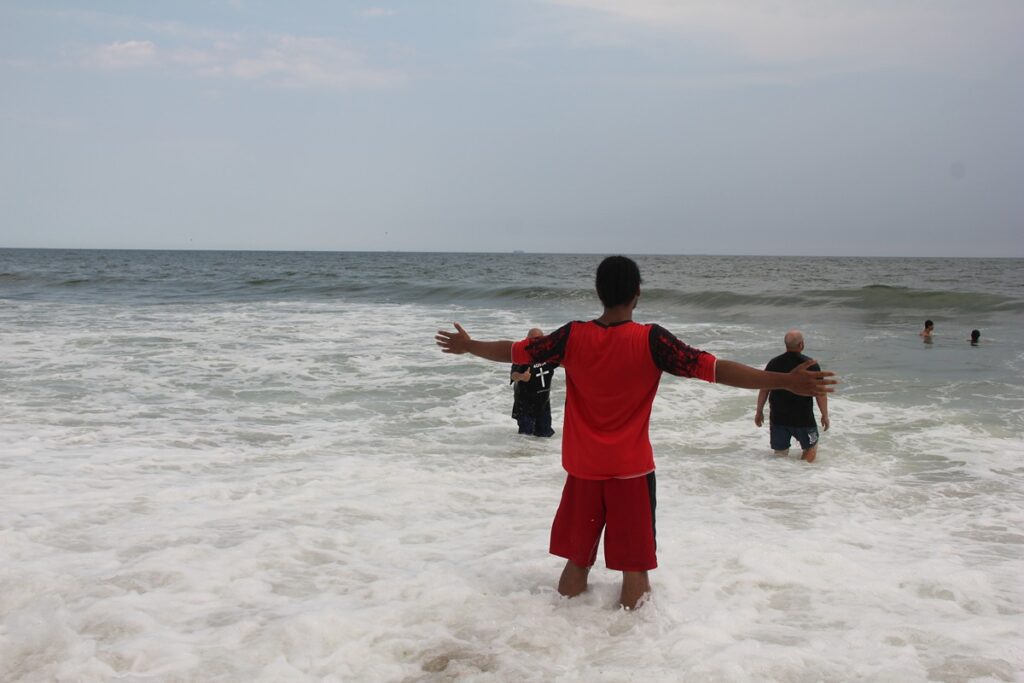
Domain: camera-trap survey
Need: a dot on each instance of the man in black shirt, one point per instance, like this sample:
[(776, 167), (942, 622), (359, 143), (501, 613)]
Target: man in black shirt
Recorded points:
[(532, 405), (792, 415)]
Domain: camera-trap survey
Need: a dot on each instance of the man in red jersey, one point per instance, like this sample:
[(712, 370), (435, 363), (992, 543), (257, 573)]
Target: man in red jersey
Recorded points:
[(612, 370)]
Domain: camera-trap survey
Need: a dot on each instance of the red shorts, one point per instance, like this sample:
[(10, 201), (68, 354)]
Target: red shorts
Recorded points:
[(625, 506)]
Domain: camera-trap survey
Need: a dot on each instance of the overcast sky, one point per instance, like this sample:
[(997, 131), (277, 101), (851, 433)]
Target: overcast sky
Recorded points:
[(820, 127)]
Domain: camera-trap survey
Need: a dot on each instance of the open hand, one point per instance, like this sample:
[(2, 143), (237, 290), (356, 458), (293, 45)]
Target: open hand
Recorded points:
[(453, 342), (805, 382)]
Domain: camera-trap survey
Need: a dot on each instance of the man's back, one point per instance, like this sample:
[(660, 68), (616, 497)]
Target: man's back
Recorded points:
[(611, 381), (612, 373), (788, 408)]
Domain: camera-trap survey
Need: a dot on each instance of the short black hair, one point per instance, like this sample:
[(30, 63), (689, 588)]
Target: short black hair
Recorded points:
[(929, 323), (975, 334), (617, 281)]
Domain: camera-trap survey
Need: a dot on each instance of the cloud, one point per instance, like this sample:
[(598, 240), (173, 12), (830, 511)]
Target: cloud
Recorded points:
[(968, 34), (130, 54), (299, 62), (275, 61)]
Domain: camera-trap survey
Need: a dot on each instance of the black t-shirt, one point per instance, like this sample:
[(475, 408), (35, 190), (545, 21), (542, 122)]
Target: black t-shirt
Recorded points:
[(533, 396), (787, 408)]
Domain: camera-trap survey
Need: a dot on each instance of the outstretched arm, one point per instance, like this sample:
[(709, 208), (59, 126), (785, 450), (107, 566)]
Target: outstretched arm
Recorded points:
[(799, 381), (460, 342)]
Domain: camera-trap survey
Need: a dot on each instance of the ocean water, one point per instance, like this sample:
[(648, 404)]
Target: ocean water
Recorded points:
[(235, 466)]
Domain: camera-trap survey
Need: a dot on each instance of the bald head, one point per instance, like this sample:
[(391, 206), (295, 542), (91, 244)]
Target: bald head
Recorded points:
[(534, 332), (794, 340)]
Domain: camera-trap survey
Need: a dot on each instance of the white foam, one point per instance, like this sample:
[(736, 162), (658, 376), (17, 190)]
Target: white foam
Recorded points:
[(294, 492)]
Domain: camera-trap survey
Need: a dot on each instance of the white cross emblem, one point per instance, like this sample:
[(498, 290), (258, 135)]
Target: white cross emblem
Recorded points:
[(541, 372)]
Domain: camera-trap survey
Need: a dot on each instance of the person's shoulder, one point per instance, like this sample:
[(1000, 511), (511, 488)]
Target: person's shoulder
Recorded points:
[(566, 329), (803, 358), (560, 336), (563, 329), (654, 332), (654, 327)]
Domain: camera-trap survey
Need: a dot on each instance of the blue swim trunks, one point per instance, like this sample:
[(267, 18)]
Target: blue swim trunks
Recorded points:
[(781, 437)]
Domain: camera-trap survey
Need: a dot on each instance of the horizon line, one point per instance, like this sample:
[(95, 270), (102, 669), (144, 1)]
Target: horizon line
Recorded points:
[(510, 252)]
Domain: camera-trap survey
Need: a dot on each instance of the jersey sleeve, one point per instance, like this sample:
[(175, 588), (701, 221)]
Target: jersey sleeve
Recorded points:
[(547, 349), (676, 358)]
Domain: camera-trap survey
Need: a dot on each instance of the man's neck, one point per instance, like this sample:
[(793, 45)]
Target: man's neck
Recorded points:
[(618, 314)]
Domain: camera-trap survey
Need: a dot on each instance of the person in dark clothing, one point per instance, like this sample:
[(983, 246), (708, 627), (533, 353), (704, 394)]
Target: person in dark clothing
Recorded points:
[(532, 405), (792, 416)]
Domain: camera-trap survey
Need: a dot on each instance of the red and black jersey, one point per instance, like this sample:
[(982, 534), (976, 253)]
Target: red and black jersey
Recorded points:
[(612, 374)]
